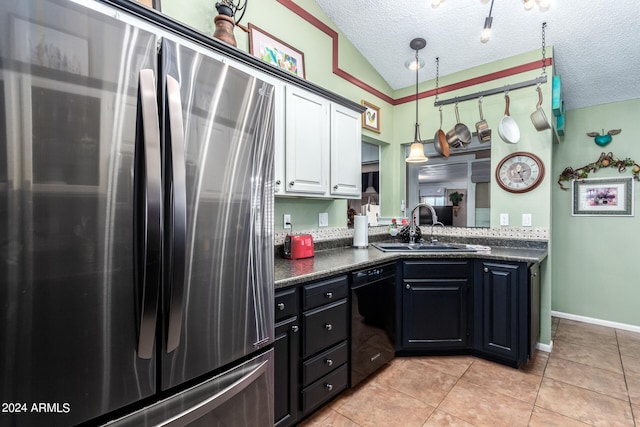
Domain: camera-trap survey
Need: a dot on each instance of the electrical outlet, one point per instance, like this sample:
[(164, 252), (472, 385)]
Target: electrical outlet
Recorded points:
[(504, 219), (323, 219), (286, 221), (526, 220)]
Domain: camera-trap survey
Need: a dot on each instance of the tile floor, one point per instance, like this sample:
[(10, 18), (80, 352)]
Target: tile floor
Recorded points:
[(592, 377)]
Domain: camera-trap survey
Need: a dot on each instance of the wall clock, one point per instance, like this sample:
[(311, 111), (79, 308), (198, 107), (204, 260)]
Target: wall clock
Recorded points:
[(520, 172)]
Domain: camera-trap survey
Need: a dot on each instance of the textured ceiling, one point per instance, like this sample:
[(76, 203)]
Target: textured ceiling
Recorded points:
[(596, 42)]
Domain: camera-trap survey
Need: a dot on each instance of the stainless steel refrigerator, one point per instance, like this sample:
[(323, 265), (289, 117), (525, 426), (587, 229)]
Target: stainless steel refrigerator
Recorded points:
[(136, 223)]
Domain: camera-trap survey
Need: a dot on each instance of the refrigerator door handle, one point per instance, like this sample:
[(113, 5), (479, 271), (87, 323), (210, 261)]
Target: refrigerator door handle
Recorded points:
[(217, 399), (177, 212), (148, 233)]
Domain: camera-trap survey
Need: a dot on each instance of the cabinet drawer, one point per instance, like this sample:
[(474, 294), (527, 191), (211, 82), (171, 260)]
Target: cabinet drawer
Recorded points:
[(324, 363), (324, 327), (436, 268), (324, 389), (286, 304), (323, 292)]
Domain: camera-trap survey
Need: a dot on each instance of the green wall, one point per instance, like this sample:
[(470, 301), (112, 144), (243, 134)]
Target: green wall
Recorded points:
[(590, 259), (596, 266)]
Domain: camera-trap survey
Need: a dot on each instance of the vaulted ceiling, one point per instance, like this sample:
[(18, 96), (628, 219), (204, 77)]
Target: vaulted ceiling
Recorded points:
[(596, 43)]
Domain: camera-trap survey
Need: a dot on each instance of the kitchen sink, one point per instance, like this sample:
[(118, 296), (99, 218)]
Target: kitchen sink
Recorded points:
[(422, 247)]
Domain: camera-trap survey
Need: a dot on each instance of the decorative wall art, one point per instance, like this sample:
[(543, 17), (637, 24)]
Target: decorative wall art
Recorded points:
[(603, 197), (606, 160), (276, 52), (371, 117), (46, 47)]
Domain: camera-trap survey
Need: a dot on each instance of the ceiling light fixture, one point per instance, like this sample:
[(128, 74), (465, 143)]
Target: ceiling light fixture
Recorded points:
[(416, 153), (543, 5), (486, 31), (436, 3)]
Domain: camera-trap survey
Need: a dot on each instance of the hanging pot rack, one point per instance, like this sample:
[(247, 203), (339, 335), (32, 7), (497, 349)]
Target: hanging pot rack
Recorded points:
[(506, 88)]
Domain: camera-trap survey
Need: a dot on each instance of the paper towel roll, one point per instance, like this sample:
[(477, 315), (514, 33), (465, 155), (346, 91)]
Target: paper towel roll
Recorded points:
[(360, 231)]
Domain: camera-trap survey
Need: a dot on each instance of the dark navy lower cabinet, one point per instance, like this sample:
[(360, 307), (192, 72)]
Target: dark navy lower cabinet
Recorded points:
[(436, 304), (506, 309)]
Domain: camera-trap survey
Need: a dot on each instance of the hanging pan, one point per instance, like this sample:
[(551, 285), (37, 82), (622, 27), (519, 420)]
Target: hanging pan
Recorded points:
[(482, 127), (508, 128), (538, 117), (440, 140), (460, 135)]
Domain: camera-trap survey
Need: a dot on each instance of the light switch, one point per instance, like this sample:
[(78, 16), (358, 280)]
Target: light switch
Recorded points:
[(526, 220), (504, 219), (286, 220)]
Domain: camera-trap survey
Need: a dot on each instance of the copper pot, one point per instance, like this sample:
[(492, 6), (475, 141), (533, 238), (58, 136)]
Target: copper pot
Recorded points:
[(440, 140)]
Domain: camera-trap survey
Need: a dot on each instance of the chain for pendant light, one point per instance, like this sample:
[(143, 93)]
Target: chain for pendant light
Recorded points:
[(437, 76), (544, 49)]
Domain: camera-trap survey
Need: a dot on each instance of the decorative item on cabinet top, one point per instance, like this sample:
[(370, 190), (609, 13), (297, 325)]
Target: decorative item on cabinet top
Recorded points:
[(371, 117), (275, 52)]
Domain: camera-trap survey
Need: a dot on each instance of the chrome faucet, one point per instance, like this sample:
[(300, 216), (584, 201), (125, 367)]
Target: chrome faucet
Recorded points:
[(412, 223)]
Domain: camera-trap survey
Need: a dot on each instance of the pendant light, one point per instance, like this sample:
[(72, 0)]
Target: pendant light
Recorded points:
[(416, 153)]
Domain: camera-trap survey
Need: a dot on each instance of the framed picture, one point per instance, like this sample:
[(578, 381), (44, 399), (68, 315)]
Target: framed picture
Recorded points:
[(276, 52), (46, 47), (371, 117), (603, 197)]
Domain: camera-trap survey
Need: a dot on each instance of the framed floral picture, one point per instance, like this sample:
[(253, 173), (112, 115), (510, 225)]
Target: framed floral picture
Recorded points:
[(276, 52), (603, 197), (371, 117)]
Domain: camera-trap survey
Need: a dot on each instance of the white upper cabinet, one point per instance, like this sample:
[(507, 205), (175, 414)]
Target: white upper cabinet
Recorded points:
[(346, 152), (319, 153), (307, 148)]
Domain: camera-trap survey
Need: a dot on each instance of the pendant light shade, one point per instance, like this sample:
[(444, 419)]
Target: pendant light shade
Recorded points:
[(416, 154)]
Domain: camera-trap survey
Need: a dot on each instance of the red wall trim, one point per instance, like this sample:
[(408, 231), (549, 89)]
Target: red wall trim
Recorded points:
[(289, 4)]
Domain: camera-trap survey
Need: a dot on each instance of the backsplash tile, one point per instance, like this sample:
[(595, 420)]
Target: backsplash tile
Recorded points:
[(343, 235)]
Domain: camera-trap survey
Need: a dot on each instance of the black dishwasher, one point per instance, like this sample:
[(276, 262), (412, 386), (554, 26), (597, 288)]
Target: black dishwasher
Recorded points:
[(372, 320)]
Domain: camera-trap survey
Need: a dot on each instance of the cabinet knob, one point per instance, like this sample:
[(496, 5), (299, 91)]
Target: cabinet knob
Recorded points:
[(295, 328), (280, 306), (278, 182), (486, 269), (335, 187), (328, 386), (329, 295), (408, 286), (329, 362), (328, 326), (291, 183)]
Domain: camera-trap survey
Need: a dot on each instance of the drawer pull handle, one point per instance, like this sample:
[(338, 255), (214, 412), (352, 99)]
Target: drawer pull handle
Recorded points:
[(486, 269), (329, 362), (329, 295), (295, 328), (280, 306), (328, 386), (328, 326)]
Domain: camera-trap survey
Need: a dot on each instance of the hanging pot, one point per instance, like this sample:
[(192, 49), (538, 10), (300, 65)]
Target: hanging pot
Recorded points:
[(538, 117), (460, 135), (508, 128), (440, 140), (482, 127)]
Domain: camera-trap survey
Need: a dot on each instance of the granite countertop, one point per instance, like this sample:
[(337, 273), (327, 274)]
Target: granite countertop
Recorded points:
[(329, 262)]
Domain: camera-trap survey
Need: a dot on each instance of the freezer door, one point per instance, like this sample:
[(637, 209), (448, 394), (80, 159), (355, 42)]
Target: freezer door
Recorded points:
[(68, 297), (240, 396), (219, 305)]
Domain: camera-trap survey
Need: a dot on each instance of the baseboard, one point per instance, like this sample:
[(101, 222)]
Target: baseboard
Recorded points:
[(545, 347), (594, 321)]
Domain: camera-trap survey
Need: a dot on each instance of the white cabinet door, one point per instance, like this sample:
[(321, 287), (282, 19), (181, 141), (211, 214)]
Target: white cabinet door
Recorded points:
[(306, 143), (346, 152), (279, 144)]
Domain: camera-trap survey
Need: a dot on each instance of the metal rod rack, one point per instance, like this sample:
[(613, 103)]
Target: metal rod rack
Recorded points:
[(505, 88)]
